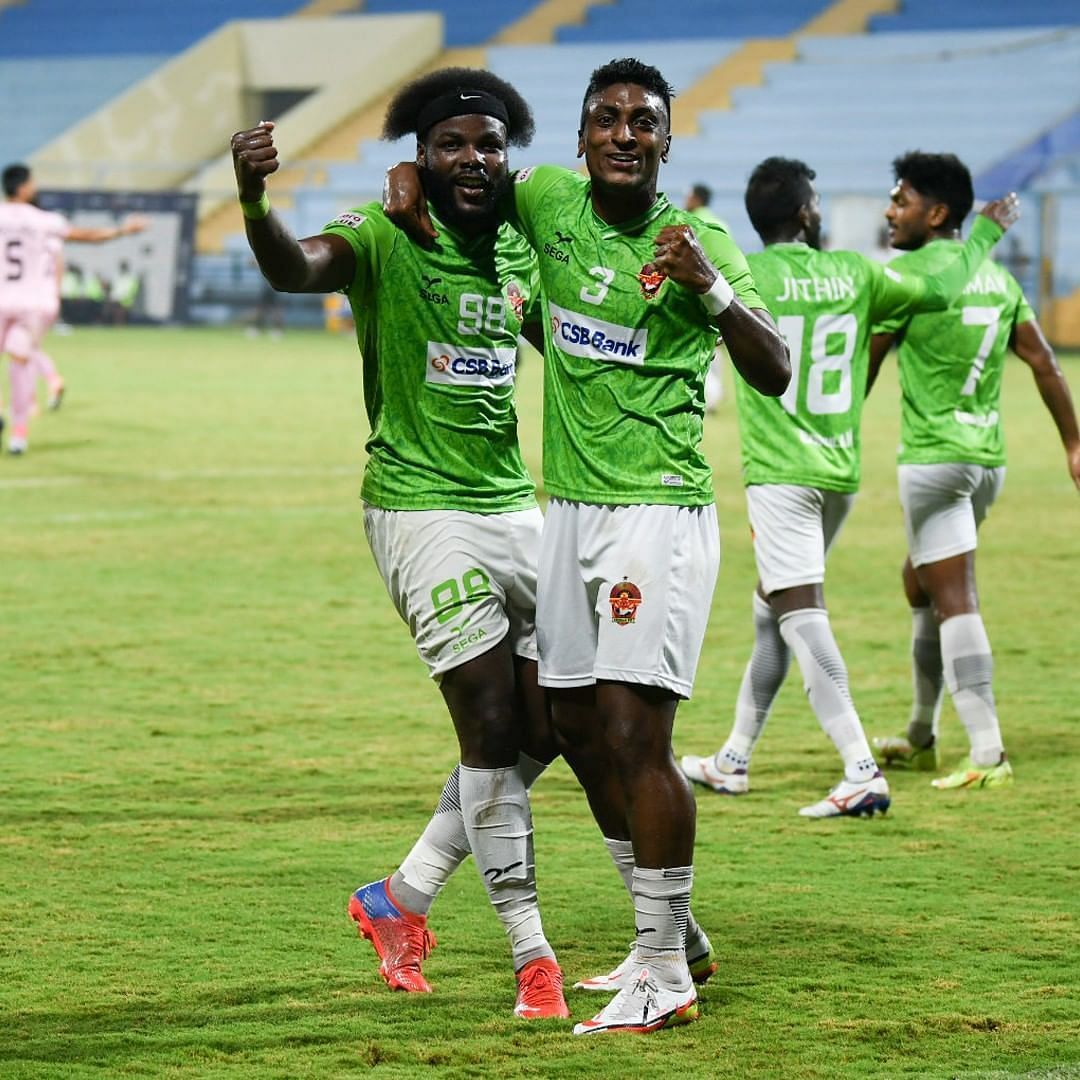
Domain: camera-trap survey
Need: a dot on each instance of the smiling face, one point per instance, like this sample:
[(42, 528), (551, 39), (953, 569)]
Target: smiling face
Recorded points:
[(912, 218), (624, 140), (465, 165)]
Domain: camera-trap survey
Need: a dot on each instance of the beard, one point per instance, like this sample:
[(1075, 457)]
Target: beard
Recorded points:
[(482, 216)]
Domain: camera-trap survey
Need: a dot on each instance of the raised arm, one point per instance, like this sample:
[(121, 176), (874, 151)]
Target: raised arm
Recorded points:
[(317, 264), (756, 347), (1032, 347)]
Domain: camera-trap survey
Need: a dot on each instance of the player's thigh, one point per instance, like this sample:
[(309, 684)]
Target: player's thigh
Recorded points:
[(20, 333), (656, 570), (789, 535), (939, 512), (447, 572), (524, 529), (991, 481), (565, 601)]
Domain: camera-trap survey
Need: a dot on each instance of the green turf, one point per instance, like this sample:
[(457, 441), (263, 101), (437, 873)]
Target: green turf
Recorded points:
[(214, 727)]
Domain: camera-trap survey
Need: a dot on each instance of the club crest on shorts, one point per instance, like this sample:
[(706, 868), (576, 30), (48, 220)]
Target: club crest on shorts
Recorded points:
[(517, 299), (650, 280), (625, 598)]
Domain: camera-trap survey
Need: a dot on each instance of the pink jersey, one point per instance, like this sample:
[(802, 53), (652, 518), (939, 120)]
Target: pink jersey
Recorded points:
[(30, 246)]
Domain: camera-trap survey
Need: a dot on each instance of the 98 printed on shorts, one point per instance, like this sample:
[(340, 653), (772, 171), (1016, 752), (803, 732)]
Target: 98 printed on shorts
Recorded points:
[(462, 581)]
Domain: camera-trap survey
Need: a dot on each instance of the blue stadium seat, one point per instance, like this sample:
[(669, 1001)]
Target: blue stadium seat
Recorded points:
[(644, 20), (933, 15), (121, 27), (470, 23)]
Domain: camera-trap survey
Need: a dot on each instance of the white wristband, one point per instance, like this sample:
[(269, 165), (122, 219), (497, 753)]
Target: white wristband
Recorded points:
[(718, 299)]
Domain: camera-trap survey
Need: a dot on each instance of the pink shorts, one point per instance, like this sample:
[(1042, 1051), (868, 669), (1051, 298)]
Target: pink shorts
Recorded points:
[(21, 331)]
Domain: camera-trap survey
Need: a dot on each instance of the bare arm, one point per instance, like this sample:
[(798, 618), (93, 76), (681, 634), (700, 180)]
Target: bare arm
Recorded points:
[(880, 344), (1029, 344), (756, 347), (82, 235), (533, 333), (317, 264)]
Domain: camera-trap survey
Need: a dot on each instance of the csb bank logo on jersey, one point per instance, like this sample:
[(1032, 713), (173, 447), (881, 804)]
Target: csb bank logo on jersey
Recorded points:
[(462, 365), (594, 339)]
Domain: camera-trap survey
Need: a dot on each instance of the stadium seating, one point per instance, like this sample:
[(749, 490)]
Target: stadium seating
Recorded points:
[(470, 23), (121, 27), (43, 97), (933, 15), (644, 20)]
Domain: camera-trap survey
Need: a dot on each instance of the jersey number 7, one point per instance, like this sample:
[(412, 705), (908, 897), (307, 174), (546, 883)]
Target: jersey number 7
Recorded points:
[(980, 316)]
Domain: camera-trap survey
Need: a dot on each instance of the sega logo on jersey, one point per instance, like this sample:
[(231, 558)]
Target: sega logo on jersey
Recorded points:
[(458, 365), (595, 339)]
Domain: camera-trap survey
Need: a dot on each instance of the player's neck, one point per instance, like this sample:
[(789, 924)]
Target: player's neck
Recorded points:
[(943, 234), (616, 207)]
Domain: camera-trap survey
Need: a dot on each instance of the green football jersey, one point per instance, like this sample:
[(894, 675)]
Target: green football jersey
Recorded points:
[(438, 335), (626, 349), (826, 304), (951, 364)]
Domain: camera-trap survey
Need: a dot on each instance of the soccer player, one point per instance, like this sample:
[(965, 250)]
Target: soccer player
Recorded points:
[(952, 460), (800, 456), (697, 203), (449, 508), (635, 292), (30, 250)]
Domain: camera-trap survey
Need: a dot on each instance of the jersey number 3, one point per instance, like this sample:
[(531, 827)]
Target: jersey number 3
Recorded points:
[(828, 383)]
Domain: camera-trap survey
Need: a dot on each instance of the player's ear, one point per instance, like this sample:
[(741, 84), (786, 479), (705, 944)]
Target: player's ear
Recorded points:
[(939, 214), (580, 143), (421, 155), (667, 149)]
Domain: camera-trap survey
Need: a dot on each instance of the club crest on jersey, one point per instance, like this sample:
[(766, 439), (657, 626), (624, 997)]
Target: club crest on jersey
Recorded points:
[(516, 299), (354, 221), (650, 280), (523, 174), (625, 598)]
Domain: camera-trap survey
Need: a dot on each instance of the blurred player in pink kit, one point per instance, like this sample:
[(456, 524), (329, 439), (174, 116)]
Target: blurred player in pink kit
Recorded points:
[(31, 247)]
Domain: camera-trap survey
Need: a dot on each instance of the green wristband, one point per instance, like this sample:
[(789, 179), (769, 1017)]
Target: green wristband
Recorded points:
[(256, 211)]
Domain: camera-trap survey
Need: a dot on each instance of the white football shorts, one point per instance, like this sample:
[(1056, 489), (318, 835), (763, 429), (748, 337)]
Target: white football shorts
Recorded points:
[(793, 529), (944, 505), (461, 581), (624, 593)]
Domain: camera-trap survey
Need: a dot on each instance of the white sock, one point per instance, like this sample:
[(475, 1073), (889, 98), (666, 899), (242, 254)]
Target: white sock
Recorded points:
[(969, 674), (622, 855), (761, 683), (810, 638), (661, 904), (443, 845), (927, 676), (495, 809)]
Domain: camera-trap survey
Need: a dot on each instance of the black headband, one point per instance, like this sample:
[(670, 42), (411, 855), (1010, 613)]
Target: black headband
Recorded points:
[(460, 103)]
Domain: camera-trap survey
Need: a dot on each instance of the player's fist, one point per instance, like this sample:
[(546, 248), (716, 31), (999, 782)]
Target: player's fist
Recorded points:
[(254, 158), (1003, 212), (681, 258)]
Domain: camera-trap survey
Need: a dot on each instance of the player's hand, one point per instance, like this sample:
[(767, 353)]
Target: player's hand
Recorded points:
[(681, 258), (1003, 212), (405, 203), (1073, 456), (254, 158)]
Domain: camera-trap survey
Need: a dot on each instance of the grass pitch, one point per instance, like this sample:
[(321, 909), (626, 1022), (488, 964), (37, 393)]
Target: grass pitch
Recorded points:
[(214, 727)]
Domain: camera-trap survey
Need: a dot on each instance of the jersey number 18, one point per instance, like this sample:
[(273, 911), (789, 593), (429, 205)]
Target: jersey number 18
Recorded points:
[(828, 382)]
